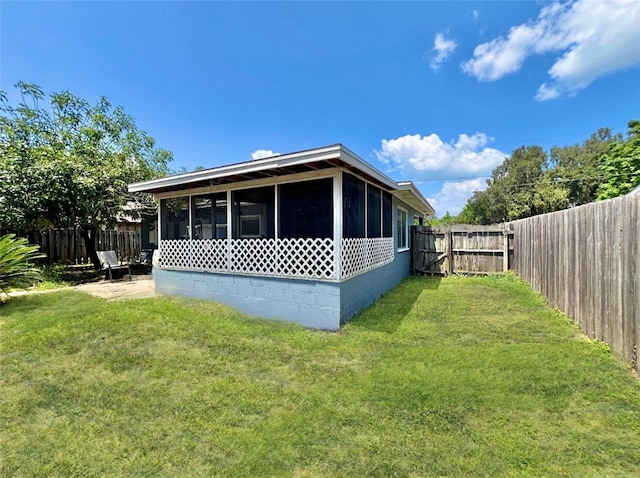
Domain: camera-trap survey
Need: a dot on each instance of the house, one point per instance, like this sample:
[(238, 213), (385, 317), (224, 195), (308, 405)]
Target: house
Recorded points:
[(311, 237), (139, 218)]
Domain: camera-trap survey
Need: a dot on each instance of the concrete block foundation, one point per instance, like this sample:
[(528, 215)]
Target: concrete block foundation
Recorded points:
[(315, 304)]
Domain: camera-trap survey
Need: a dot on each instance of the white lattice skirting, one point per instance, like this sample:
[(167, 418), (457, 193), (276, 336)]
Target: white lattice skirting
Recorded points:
[(362, 255), (299, 258)]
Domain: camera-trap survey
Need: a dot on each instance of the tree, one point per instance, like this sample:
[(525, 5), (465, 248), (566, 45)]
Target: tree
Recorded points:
[(16, 263), (520, 187), (68, 165), (468, 215), (445, 220), (578, 166), (621, 164), (480, 209)]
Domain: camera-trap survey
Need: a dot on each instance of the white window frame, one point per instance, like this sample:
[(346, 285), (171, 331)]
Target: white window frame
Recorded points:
[(251, 217), (399, 212)]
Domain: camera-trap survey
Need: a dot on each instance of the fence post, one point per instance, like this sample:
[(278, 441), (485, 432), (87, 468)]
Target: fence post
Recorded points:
[(449, 250), (505, 250), (51, 248), (414, 248), (75, 246)]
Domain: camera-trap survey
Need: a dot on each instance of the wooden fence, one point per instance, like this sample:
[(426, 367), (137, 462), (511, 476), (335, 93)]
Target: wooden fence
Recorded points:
[(585, 261), (66, 245), (460, 249)]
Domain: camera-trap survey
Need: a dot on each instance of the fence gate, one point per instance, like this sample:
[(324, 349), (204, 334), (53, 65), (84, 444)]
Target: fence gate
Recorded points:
[(460, 249)]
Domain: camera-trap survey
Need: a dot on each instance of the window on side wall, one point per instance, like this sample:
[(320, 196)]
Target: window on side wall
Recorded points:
[(402, 238)]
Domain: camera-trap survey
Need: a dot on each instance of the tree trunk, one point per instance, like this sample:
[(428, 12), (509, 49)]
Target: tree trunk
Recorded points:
[(89, 237)]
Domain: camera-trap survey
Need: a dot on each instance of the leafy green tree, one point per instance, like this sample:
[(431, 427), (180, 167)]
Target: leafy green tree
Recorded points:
[(481, 208), (578, 166), (68, 164), (621, 164), (469, 213), (520, 187), (16, 263), (442, 221)]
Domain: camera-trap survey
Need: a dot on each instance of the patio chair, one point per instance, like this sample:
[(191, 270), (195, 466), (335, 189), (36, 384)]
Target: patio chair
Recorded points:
[(109, 263)]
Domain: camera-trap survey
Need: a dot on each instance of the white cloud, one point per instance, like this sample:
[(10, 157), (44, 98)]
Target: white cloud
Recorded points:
[(593, 38), (443, 47), (546, 92), (454, 194), (476, 15), (263, 153), (468, 156)]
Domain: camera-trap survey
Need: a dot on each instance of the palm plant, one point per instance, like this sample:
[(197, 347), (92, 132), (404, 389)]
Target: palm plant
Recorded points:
[(16, 267)]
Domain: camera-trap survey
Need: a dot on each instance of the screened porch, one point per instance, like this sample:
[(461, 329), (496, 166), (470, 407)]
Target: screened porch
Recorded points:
[(323, 228)]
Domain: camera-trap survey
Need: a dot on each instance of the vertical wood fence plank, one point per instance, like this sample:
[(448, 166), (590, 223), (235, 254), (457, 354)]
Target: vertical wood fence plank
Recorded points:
[(505, 250), (585, 261), (449, 245)]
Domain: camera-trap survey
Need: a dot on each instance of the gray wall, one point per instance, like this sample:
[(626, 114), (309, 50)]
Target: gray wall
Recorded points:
[(361, 291), (314, 304)]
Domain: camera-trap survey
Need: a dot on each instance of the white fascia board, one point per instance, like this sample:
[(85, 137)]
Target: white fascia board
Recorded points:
[(352, 159), (425, 207), (284, 160)]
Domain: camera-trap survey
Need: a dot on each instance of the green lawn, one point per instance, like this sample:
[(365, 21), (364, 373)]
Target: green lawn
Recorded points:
[(453, 377)]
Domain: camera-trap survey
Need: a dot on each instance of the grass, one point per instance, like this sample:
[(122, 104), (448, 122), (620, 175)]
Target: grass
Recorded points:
[(453, 377)]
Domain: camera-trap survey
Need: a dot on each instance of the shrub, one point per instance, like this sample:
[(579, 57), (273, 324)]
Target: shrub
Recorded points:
[(16, 267)]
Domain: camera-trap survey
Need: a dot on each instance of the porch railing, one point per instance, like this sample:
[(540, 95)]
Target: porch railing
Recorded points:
[(293, 258)]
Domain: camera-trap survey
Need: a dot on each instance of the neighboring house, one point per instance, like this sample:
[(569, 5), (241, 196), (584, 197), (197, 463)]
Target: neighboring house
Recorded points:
[(144, 223), (311, 237)]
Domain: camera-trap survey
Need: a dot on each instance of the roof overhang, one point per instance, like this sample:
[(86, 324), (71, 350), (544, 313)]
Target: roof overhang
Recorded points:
[(327, 157), (302, 161), (409, 194)]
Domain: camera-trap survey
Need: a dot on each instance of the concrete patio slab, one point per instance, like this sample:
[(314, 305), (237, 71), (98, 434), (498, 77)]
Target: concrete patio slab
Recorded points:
[(139, 287)]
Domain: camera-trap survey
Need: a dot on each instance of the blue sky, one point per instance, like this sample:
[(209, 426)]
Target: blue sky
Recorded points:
[(433, 92)]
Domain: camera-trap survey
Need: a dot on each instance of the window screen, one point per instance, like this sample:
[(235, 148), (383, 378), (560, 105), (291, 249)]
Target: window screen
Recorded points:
[(387, 215), (174, 214), (253, 213), (209, 219), (374, 210), (306, 209), (353, 206)]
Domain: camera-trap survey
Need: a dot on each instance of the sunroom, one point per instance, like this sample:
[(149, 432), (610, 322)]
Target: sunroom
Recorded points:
[(310, 237)]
